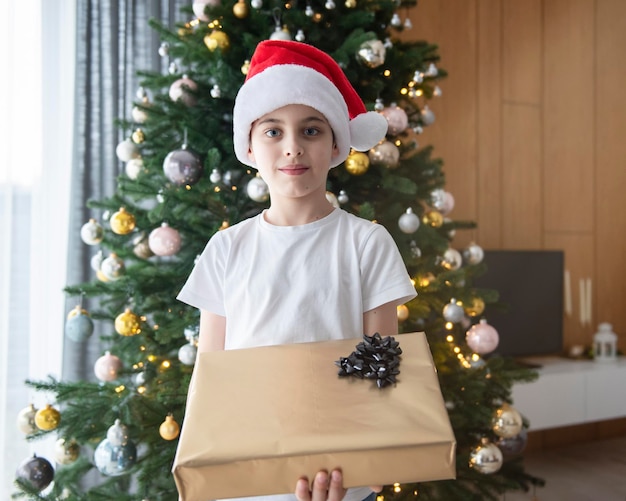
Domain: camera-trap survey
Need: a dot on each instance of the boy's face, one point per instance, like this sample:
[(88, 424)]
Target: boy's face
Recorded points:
[(293, 147)]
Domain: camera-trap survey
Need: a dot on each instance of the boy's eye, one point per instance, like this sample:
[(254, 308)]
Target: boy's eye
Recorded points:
[(311, 131), (272, 133)]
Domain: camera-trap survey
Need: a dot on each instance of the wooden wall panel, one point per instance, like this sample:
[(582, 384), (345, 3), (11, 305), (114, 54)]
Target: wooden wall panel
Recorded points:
[(521, 51), (521, 178), (489, 125), (568, 117), (610, 179), (580, 263)]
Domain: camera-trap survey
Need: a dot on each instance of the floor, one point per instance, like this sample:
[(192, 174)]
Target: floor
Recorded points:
[(593, 471)]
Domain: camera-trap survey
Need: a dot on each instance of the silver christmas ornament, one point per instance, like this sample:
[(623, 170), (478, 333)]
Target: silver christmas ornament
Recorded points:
[(507, 421), (486, 458), (427, 116), (343, 197), (112, 267), (473, 254), (182, 167), (453, 312), (371, 53), (385, 153), (452, 259), (215, 176)]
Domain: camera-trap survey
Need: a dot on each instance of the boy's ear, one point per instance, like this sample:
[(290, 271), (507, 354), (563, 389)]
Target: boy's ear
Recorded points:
[(250, 154), (335, 150)]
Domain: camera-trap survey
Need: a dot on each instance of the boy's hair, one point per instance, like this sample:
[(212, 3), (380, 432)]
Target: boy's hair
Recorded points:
[(286, 72)]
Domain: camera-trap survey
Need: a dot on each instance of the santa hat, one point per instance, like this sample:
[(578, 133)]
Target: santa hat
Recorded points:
[(286, 72)]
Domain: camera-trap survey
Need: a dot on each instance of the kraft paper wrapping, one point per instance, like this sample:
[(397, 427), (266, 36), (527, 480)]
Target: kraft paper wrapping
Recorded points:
[(258, 419)]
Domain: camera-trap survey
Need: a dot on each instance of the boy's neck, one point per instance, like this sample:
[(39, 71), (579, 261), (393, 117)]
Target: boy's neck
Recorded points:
[(293, 212)]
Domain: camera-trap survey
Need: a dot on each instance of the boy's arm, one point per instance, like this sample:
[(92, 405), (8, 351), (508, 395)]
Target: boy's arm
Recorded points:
[(212, 332), (383, 320)]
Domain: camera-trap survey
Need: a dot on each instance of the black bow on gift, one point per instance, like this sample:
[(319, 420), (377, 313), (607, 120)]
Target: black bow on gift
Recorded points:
[(374, 358)]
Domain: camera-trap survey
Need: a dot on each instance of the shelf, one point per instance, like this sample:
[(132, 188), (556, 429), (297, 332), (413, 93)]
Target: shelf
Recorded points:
[(570, 392)]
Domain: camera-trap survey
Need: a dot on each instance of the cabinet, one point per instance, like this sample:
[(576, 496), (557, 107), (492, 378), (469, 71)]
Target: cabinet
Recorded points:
[(570, 392)]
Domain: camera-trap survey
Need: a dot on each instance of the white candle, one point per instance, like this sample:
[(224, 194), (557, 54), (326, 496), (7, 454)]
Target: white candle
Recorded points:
[(588, 300), (567, 289), (583, 310)]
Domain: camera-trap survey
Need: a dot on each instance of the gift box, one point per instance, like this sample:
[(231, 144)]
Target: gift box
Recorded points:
[(258, 419)]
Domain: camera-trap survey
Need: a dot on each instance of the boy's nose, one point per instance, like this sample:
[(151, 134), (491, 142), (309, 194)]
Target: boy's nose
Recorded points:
[(293, 148)]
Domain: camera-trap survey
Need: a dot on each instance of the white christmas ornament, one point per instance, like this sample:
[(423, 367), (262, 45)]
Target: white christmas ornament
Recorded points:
[(198, 8), (134, 167), (257, 190), (127, 150), (409, 222), (187, 354), (113, 267), (91, 232)]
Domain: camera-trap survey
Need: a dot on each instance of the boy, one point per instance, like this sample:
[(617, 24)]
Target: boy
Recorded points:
[(301, 270)]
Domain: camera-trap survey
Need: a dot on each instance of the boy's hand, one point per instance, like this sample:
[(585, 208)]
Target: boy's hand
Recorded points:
[(325, 487)]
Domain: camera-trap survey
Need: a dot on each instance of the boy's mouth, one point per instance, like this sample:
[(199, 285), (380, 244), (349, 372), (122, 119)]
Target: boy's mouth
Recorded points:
[(294, 170)]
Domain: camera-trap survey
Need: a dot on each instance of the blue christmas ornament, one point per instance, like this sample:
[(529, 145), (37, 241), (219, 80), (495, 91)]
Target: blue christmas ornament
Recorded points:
[(79, 325), (115, 460)]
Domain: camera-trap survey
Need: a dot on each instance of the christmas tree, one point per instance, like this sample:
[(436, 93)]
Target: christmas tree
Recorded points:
[(182, 183)]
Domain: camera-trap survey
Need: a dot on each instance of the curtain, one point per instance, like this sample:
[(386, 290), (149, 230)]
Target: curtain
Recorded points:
[(69, 71), (35, 124)]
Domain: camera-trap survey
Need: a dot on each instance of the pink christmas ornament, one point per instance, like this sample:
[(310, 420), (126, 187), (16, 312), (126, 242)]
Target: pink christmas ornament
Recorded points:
[(396, 118), (107, 367), (164, 241), (184, 90), (482, 338)]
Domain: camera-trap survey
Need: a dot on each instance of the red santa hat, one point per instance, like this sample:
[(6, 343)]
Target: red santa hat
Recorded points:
[(286, 72)]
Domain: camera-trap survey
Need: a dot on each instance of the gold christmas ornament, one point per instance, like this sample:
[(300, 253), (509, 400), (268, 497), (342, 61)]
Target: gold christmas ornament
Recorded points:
[(48, 418), (169, 428), (122, 222), (217, 40), (245, 67), (127, 323), (357, 163), (240, 9), (350, 4), (433, 218), (138, 136), (403, 312), (476, 307)]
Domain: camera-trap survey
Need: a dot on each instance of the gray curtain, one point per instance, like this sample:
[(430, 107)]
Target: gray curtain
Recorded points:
[(113, 41)]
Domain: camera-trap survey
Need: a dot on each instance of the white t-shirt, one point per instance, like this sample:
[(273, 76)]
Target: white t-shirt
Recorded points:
[(294, 284)]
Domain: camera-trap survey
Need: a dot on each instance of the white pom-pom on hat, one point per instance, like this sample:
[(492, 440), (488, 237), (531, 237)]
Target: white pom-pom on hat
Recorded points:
[(287, 72)]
